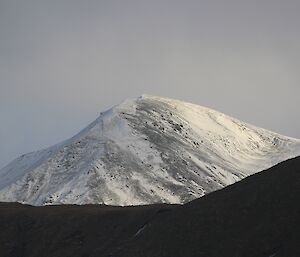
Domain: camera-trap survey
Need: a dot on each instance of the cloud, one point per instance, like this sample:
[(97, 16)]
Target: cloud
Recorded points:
[(62, 62)]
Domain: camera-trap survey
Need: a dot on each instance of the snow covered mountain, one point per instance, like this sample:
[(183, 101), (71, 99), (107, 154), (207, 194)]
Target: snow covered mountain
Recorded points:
[(145, 150)]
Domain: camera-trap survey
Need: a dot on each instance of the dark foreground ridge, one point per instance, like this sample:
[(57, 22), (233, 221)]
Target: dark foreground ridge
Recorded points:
[(259, 216)]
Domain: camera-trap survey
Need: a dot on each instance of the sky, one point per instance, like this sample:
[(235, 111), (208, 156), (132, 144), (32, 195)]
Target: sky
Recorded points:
[(62, 62)]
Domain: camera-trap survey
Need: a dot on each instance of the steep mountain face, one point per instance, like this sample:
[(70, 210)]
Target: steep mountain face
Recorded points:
[(143, 151)]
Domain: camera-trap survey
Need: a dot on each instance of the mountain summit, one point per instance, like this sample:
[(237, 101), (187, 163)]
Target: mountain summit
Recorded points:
[(145, 150)]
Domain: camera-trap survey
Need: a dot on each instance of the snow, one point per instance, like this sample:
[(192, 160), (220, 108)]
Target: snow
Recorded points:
[(145, 150)]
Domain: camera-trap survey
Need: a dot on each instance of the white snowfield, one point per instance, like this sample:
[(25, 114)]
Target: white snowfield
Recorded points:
[(143, 151)]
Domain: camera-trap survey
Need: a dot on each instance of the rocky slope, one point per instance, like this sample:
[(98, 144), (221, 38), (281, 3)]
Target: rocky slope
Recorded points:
[(145, 150)]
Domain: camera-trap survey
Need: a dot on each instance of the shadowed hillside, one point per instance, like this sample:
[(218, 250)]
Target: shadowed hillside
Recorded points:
[(258, 216)]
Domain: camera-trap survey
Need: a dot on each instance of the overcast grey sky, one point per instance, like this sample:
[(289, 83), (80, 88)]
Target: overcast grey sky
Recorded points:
[(62, 62)]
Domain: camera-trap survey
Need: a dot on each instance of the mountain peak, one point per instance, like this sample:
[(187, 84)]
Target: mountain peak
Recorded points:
[(145, 150)]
